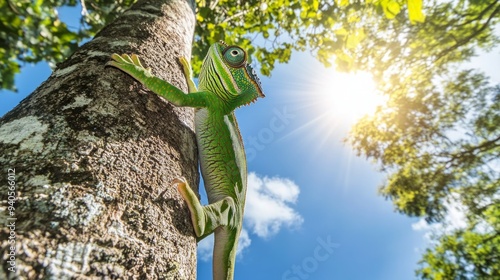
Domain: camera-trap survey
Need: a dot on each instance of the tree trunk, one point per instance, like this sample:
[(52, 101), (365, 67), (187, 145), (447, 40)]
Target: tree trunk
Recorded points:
[(89, 157)]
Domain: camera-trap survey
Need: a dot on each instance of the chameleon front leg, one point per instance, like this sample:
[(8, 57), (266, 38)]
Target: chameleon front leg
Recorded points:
[(206, 218), (132, 66)]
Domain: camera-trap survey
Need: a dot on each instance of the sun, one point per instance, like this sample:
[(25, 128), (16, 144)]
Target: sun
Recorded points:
[(332, 102), (327, 103), (345, 97)]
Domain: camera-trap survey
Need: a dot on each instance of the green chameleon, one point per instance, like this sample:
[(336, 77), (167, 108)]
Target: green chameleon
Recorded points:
[(226, 82)]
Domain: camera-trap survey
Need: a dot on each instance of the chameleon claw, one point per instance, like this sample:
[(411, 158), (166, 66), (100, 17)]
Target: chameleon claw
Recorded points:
[(127, 59), (183, 61), (186, 66), (182, 186), (118, 60), (121, 58), (177, 181), (130, 64), (135, 60)]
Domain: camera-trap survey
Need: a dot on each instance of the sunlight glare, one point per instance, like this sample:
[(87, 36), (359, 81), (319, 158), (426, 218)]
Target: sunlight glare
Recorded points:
[(330, 102), (346, 96)]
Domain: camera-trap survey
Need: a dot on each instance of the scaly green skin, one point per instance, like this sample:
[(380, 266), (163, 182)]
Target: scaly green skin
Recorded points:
[(226, 82)]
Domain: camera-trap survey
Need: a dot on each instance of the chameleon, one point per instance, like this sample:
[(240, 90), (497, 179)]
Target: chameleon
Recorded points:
[(226, 81)]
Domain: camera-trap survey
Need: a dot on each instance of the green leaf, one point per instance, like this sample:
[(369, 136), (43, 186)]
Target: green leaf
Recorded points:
[(415, 12), (391, 8)]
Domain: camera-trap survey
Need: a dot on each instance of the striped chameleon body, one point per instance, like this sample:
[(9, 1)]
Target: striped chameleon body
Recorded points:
[(226, 82)]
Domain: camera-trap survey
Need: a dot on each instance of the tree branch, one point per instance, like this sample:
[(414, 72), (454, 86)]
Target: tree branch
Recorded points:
[(468, 38)]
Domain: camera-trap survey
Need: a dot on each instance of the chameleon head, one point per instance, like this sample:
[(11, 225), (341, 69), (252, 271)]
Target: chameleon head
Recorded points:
[(226, 73)]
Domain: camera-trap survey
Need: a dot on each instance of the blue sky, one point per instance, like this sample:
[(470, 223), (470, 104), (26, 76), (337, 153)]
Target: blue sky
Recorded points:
[(302, 196), (312, 210)]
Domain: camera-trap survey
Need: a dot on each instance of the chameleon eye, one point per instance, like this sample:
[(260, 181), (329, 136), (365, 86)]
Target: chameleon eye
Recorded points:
[(235, 56)]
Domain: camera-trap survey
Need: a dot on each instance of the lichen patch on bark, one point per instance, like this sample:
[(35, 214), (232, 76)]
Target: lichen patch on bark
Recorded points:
[(29, 129)]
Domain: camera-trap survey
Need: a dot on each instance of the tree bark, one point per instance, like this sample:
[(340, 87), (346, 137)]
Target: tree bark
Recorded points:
[(91, 154)]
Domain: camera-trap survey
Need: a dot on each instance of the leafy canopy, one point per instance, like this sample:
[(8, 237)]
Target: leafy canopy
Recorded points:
[(438, 135), (31, 30)]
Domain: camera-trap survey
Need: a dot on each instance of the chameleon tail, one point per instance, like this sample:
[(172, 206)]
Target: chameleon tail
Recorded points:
[(224, 257)]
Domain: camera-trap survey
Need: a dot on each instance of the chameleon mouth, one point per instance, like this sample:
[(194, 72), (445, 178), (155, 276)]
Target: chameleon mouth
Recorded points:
[(253, 75)]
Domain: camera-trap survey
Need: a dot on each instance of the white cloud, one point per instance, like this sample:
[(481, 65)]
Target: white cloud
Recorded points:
[(267, 210), (268, 205), (243, 242), (420, 225), (205, 248)]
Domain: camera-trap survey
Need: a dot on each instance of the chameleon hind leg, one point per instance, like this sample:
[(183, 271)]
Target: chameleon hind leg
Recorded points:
[(205, 218)]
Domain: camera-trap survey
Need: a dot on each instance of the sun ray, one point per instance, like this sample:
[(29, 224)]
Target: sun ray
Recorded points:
[(332, 102), (304, 126), (327, 102)]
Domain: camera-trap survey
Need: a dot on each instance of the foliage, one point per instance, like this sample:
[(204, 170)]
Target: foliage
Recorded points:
[(31, 31), (436, 142), (472, 253), (25, 24), (437, 136), (326, 27), (437, 133)]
